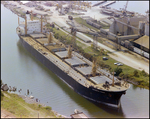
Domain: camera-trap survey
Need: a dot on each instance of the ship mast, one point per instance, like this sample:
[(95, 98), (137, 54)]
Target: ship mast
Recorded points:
[(41, 24), (69, 52), (25, 25), (50, 38), (94, 68), (31, 16)]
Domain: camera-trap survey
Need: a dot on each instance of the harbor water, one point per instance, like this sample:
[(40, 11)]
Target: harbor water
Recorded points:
[(20, 69)]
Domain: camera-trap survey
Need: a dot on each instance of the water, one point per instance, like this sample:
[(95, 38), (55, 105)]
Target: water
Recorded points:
[(136, 6), (19, 68)]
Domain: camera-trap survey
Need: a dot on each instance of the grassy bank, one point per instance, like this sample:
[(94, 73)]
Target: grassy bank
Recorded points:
[(18, 107)]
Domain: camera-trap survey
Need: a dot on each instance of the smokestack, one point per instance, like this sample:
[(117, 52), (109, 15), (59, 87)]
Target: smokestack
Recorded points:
[(41, 24), (28, 15)]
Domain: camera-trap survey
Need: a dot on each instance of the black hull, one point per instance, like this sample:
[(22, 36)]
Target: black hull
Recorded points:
[(90, 93)]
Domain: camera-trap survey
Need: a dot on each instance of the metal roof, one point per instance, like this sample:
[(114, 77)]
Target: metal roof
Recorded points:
[(100, 79), (39, 35), (75, 61), (85, 70), (62, 54)]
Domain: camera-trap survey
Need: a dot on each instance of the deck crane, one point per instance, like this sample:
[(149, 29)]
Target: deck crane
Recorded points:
[(74, 30), (124, 11)]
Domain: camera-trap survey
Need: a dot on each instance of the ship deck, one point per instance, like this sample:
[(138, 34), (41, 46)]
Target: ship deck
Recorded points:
[(74, 66)]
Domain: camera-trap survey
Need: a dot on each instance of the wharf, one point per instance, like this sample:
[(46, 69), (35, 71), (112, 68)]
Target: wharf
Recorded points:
[(96, 4), (108, 3), (78, 115)]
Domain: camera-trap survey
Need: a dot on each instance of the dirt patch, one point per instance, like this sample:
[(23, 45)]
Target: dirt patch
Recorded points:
[(6, 114)]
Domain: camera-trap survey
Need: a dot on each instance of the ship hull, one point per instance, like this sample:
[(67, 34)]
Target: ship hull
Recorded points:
[(91, 93)]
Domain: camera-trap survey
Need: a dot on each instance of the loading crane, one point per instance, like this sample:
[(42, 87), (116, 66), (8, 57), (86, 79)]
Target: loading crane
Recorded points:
[(124, 10)]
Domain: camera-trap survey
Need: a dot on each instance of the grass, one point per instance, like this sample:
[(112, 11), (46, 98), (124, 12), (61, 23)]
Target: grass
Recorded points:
[(12, 105), (17, 106)]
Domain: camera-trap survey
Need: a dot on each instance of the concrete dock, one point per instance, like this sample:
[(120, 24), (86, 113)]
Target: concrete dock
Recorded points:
[(98, 3), (107, 4)]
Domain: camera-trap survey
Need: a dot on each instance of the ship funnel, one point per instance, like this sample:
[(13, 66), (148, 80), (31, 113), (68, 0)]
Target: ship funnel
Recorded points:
[(69, 52), (94, 67), (28, 15)]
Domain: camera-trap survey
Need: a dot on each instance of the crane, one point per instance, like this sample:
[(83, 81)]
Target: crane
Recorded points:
[(124, 11), (74, 30)]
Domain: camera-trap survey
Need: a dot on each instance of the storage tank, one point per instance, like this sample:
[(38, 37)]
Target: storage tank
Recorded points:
[(147, 29), (141, 27)]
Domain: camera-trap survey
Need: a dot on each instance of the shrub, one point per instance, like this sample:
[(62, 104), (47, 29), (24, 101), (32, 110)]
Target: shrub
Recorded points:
[(136, 73), (143, 73), (48, 108), (121, 75), (126, 76), (39, 106), (118, 71), (56, 35)]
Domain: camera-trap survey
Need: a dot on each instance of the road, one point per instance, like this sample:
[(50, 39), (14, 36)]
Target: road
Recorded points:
[(125, 58)]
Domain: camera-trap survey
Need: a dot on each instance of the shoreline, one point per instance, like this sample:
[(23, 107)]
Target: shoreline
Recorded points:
[(7, 114), (33, 101)]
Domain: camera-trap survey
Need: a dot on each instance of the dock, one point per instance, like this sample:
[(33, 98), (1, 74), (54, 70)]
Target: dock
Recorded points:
[(107, 4), (98, 3), (78, 115)]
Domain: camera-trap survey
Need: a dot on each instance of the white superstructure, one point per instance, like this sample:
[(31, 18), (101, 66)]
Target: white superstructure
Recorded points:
[(32, 26)]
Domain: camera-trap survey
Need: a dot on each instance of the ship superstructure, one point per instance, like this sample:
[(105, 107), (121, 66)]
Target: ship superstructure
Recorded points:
[(82, 75), (30, 26)]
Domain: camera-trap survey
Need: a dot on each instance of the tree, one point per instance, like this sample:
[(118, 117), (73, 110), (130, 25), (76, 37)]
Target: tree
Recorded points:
[(118, 71), (136, 73), (143, 73)]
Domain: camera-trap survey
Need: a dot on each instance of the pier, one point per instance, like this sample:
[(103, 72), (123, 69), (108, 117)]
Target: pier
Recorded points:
[(98, 3), (107, 4)]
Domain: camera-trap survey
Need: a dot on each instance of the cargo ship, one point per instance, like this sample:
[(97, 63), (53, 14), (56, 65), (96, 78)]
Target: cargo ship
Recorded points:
[(80, 74)]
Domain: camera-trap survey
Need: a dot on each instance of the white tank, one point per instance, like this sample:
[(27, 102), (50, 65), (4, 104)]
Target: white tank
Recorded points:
[(141, 24), (147, 29)]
